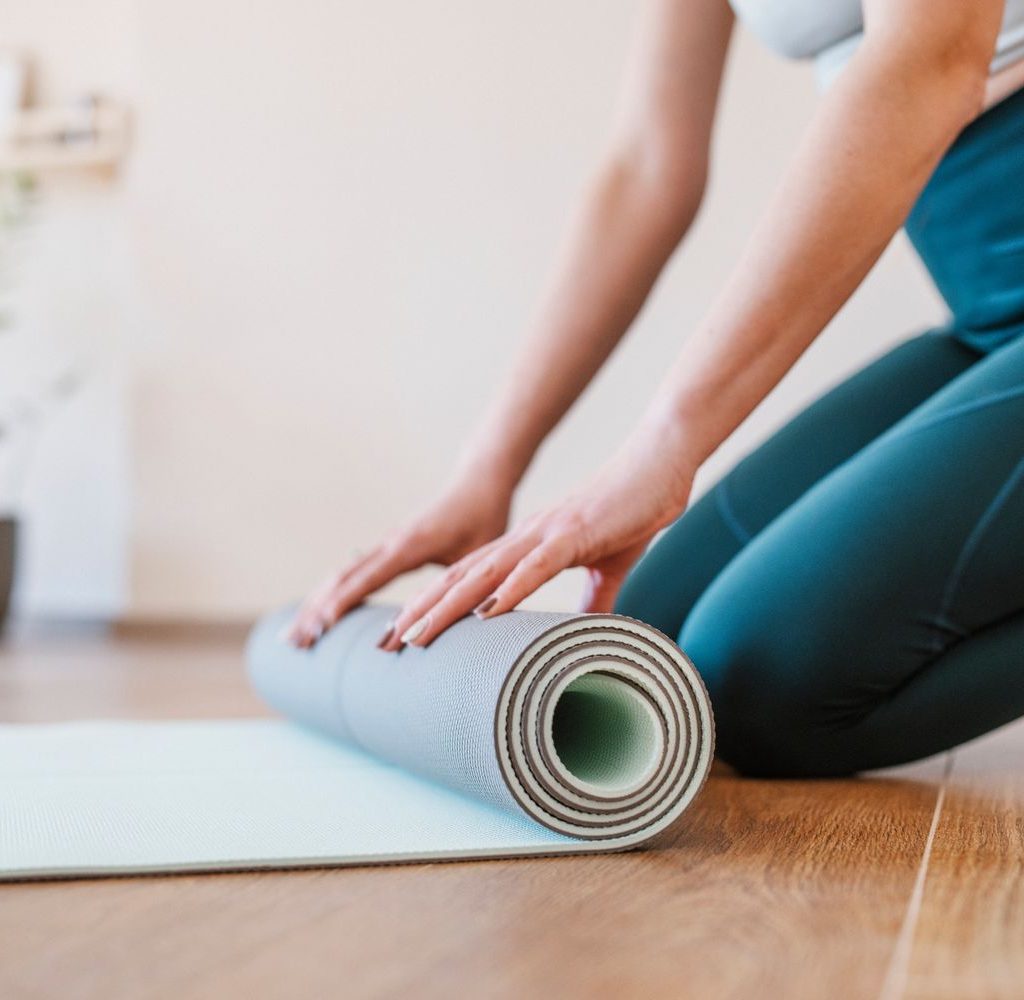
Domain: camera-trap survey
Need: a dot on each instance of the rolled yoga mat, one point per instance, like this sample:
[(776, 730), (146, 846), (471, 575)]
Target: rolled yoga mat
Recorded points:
[(530, 733)]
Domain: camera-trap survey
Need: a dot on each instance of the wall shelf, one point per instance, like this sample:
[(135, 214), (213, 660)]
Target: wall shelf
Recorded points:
[(92, 137)]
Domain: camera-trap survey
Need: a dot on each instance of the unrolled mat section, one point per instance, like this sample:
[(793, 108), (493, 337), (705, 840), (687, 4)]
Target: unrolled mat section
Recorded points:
[(529, 733)]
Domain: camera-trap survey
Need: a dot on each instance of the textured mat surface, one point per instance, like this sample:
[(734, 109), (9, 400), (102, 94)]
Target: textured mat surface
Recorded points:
[(530, 733)]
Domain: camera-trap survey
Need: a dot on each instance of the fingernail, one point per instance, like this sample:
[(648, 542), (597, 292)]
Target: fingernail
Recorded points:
[(385, 638), (414, 631), (484, 606)]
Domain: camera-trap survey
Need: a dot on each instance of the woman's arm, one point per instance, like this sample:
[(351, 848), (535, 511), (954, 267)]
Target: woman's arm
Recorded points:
[(917, 79), (638, 207)]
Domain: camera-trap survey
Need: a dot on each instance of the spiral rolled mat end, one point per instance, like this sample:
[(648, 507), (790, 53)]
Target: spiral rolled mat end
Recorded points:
[(604, 730)]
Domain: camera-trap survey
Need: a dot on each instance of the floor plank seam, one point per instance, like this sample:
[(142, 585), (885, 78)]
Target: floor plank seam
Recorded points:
[(897, 974)]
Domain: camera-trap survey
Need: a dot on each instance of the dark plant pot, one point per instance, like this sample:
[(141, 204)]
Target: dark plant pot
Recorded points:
[(8, 545)]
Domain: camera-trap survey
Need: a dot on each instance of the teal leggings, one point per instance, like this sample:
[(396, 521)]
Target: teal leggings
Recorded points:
[(852, 592)]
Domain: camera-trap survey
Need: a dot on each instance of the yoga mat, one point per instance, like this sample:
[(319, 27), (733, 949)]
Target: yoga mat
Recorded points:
[(530, 733)]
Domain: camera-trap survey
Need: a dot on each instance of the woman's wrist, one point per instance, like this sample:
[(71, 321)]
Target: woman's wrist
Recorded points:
[(679, 434), (500, 468)]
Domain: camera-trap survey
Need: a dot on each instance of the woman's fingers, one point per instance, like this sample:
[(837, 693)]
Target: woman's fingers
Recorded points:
[(600, 592), (307, 618), (372, 577), (491, 580), (542, 563), (497, 584), (391, 640), (351, 588), (603, 583), (422, 621), (606, 577)]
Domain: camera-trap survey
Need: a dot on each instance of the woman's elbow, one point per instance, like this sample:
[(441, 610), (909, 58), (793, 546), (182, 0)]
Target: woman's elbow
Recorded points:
[(963, 71), (950, 73), (664, 175)]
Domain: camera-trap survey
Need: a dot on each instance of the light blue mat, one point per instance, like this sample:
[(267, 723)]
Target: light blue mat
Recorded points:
[(528, 734)]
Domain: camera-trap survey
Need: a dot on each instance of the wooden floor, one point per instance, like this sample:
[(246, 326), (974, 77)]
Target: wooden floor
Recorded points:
[(904, 885)]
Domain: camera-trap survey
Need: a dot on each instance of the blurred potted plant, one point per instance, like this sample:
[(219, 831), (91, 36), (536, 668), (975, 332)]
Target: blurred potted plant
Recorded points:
[(13, 202), (15, 192), (26, 395)]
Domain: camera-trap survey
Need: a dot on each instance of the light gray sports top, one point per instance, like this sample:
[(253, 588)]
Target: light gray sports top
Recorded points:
[(828, 31)]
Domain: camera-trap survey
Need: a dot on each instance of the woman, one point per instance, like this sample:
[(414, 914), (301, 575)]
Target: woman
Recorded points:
[(853, 591)]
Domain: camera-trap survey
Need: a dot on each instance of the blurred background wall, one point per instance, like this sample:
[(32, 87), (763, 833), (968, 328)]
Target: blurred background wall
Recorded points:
[(307, 281)]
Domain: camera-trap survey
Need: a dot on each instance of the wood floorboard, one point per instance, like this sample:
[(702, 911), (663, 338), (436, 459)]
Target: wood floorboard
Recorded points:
[(766, 889), (969, 940)]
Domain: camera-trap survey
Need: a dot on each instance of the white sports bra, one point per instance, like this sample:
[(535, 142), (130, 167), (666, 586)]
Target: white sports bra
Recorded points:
[(828, 31)]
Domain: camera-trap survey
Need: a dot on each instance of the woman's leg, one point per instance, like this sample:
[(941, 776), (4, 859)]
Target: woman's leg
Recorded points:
[(880, 618), (680, 566)]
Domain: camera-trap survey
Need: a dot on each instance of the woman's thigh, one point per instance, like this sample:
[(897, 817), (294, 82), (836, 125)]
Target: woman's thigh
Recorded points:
[(886, 601), (682, 563)]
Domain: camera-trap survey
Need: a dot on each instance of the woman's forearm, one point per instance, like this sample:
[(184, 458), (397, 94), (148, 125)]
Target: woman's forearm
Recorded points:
[(871, 148), (631, 220), (636, 210)]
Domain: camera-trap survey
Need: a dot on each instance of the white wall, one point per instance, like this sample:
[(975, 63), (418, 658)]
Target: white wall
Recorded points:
[(339, 216)]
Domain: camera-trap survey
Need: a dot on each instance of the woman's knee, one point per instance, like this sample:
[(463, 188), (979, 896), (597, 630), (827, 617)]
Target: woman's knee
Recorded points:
[(769, 721)]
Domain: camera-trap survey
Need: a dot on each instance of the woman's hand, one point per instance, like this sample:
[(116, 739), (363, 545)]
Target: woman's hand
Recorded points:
[(470, 513), (605, 528)]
